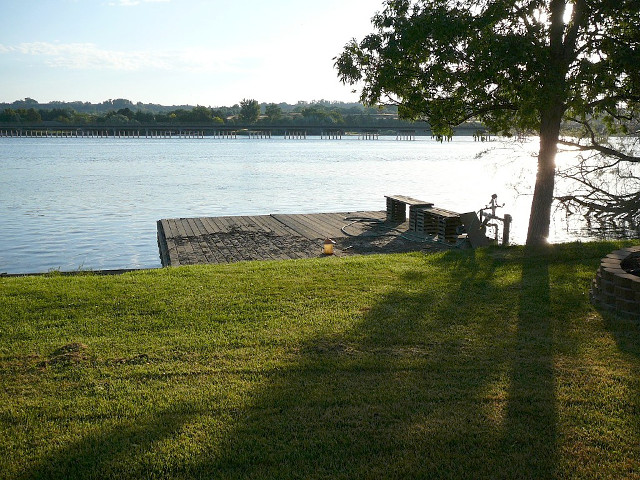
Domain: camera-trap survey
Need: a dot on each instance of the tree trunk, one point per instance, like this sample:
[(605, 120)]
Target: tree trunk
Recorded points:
[(553, 96), (540, 218)]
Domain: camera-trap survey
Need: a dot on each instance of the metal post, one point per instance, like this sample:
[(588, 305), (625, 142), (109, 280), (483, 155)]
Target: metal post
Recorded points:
[(506, 229)]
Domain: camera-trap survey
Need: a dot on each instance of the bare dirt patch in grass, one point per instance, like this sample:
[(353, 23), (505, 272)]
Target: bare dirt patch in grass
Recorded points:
[(69, 354)]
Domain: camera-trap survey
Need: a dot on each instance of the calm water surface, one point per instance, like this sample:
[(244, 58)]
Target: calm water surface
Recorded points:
[(73, 204)]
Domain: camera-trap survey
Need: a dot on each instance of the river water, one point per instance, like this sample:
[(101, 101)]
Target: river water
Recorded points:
[(80, 203)]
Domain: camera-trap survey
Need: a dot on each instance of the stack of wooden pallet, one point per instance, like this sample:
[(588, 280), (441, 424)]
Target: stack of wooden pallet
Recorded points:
[(437, 222), (397, 207), (424, 217)]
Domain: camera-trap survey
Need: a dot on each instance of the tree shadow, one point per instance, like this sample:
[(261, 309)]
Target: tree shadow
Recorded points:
[(530, 438), (112, 452), (422, 386), (384, 236)]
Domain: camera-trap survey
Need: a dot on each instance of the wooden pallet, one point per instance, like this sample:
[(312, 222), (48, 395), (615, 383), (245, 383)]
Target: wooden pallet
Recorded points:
[(437, 222), (397, 207)]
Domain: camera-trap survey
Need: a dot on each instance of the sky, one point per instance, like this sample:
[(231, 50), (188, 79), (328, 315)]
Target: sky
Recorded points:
[(177, 52)]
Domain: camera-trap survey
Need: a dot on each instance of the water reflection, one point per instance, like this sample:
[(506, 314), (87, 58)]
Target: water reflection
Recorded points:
[(93, 203)]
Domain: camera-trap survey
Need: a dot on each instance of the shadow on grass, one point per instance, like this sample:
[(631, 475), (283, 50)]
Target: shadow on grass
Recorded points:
[(111, 452), (530, 439), (626, 333), (424, 386)]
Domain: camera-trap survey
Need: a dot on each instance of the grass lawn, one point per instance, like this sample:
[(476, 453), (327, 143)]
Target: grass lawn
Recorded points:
[(464, 364)]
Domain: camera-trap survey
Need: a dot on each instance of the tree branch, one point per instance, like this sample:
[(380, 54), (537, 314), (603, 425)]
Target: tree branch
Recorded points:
[(594, 146)]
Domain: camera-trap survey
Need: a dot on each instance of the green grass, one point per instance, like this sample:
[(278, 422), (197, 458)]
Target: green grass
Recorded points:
[(485, 364)]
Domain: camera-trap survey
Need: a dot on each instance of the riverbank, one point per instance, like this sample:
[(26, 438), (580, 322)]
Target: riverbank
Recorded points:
[(459, 364)]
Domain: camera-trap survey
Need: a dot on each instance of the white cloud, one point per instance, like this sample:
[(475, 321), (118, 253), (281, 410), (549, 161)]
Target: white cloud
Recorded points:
[(88, 56)]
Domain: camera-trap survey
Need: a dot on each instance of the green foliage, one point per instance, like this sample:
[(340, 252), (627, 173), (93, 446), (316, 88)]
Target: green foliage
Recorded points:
[(201, 114), (64, 115), (249, 111), (322, 114), (126, 112), (144, 117), (197, 115), (9, 115), (449, 61), (30, 115), (302, 113), (273, 112), (468, 364)]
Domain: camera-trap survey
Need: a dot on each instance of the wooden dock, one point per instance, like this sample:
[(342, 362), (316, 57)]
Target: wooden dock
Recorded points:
[(192, 241)]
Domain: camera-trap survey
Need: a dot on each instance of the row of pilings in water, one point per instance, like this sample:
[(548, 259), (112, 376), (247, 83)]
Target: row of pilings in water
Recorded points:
[(114, 133), (107, 133), (185, 133)]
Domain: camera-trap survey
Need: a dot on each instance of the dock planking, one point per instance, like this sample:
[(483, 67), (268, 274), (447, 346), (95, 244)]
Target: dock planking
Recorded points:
[(228, 239)]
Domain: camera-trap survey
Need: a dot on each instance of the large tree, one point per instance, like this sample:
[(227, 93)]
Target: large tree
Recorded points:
[(249, 110), (526, 65), (273, 112)]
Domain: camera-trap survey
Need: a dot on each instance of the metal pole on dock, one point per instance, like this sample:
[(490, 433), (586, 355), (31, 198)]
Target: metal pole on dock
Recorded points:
[(506, 229)]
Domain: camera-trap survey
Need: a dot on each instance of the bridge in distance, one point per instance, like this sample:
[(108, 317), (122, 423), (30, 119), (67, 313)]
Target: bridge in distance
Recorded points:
[(48, 130)]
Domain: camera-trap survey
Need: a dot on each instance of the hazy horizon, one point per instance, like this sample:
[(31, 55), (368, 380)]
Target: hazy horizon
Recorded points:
[(134, 102), (170, 52)]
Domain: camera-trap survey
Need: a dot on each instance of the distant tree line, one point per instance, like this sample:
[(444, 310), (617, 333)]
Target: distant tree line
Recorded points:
[(248, 111)]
